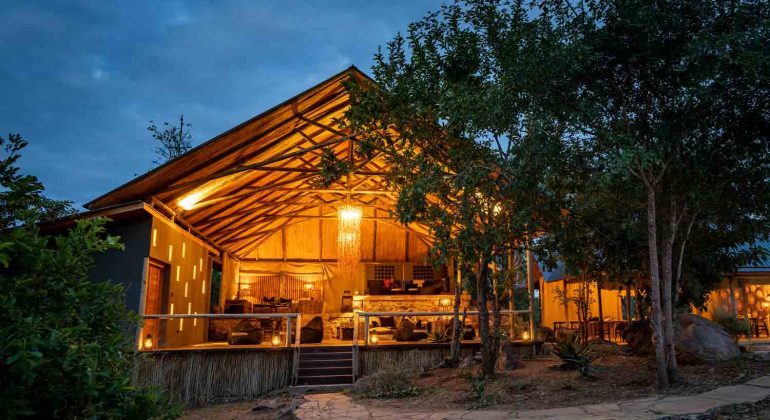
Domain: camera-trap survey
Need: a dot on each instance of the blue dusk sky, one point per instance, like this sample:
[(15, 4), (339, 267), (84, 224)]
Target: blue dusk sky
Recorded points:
[(82, 79)]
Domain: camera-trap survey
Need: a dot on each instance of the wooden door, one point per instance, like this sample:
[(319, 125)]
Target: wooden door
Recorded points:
[(154, 303)]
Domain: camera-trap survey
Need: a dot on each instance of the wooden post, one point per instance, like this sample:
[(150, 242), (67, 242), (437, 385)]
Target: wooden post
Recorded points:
[(530, 293), (601, 311), (511, 304), (355, 346), (628, 303), (746, 314), (366, 331), (288, 331)]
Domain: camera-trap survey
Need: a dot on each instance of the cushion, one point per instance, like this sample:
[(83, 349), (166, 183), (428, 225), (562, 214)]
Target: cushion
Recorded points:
[(387, 321), (268, 299), (313, 332), (405, 331), (381, 330), (283, 301)]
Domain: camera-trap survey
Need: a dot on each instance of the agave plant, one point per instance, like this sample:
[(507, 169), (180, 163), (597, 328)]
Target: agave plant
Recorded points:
[(575, 355), (439, 336)]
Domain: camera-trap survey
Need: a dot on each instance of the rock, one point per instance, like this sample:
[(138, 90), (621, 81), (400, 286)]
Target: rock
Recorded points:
[(604, 347), (699, 340), (565, 334), (466, 362), (638, 335), (547, 334), (507, 359)]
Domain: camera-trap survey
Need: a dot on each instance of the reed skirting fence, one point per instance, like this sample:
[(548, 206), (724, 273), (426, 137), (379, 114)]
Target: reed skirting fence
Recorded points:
[(200, 377), (385, 358)]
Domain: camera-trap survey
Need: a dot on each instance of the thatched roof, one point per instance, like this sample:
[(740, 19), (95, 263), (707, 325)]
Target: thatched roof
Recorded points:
[(262, 175)]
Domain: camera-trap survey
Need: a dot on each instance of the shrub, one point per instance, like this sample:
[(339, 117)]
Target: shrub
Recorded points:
[(65, 350), (733, 326), (575, 355), (385, 384)]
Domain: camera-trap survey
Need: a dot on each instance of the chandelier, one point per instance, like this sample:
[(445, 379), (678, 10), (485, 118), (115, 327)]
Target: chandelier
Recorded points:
[(349, 237)]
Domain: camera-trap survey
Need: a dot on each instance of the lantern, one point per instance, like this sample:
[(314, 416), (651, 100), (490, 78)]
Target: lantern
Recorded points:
[(276, 341), (148, 342), (349, 237), (525, 335), (374, 338)]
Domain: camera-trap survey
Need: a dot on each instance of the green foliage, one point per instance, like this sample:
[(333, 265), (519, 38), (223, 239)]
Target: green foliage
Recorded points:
[(173, 140), (21, 196), (732, 325), (385, 384), (575, 355), (66, 349), (479, 397)]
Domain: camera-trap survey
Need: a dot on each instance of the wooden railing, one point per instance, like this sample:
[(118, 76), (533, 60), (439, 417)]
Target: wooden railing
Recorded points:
[(366, 315)]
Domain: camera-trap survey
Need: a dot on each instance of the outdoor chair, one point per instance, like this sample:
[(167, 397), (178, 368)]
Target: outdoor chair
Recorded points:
[(313, 332)]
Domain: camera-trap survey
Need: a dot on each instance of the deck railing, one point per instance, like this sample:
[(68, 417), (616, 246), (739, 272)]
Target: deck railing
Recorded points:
[(292, 319), (366, 315)]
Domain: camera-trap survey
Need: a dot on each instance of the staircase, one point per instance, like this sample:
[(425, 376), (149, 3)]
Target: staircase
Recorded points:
[(327, 365)]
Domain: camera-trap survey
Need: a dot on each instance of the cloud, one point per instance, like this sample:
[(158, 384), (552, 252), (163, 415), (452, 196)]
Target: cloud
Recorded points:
[(82, 79)]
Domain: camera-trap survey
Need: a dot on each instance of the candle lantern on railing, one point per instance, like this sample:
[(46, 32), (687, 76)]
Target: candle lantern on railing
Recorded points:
[(276, 341), (147, 344), (374, 338), (525, 335)]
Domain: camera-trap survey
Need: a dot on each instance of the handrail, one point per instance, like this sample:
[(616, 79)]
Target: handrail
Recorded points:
[(221, 316), (367, 315), (288, 315), (435, 313)]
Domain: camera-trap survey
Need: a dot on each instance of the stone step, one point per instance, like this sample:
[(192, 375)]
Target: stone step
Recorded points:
[(325, 380)]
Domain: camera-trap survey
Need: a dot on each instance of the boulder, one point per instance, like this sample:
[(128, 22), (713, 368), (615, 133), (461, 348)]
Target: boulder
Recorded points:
[(466, 362), (699, 340), (638, 335), (507, 359)]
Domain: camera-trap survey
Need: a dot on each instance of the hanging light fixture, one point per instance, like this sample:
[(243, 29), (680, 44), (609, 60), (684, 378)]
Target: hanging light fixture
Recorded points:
[(349, 237)]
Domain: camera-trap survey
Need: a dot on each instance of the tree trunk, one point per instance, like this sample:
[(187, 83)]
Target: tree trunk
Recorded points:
[(668, 309), (457, 332), (733, 305), (657, 312), (601, 310), (487, 351)]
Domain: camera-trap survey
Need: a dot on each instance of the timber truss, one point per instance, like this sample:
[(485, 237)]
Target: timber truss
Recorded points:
[(263, 175)]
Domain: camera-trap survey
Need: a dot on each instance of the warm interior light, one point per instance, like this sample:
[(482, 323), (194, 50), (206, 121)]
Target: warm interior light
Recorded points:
[(309, 286), (148, 342), (358, 304), (374, 338), (444, 302), (245, 286), (765, 305), (525, 335), (190, 201), (349, 237), (276, 341)]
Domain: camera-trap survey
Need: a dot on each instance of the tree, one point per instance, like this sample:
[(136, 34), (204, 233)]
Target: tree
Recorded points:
[(453, 113), (676, 94), (66, 351), (174, 140)]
